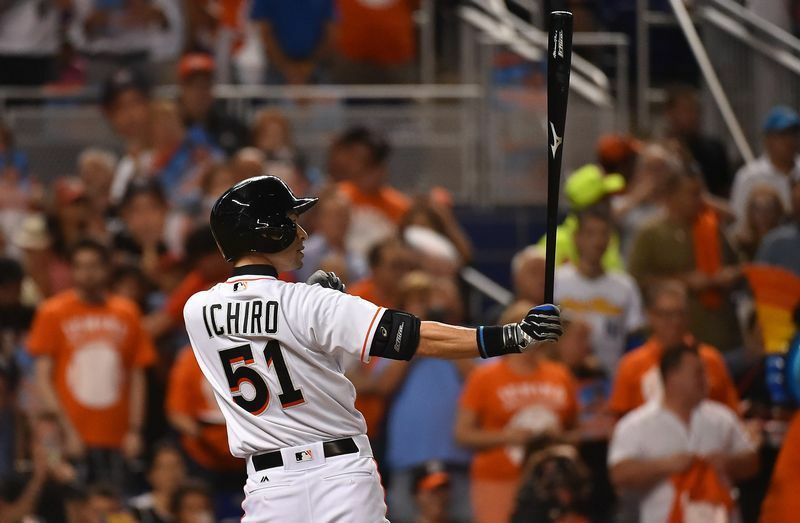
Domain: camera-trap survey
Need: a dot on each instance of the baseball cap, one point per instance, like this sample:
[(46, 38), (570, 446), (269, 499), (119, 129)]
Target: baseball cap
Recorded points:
[(194, 63), (120, 81), (430, 476), (781, 118), (589, 184), (614, 149)]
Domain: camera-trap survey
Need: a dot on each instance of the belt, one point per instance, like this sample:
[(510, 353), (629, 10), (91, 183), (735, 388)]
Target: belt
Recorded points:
[(330, 448)]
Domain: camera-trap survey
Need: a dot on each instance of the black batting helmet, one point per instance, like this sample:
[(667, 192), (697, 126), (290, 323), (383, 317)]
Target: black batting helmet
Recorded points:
[(253, 216)]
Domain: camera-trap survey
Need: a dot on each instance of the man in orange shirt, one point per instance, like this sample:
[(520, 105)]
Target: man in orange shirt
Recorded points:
[(208, 269), (389, 260), (638, 380), (194, 413), (504, 405), (377, 207), (91, 353), (782, 502)]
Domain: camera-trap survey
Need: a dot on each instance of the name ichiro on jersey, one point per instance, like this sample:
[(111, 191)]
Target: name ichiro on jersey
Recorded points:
[(252, 317)]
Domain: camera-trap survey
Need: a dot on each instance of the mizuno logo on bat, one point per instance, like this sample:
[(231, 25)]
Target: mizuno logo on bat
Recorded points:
[(556, 140)]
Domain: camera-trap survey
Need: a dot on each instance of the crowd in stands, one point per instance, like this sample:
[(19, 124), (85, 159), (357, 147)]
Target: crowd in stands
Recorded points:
[(653, 406)]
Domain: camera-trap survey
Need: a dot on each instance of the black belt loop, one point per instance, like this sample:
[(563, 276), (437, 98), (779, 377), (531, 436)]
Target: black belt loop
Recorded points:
[(329, 448)]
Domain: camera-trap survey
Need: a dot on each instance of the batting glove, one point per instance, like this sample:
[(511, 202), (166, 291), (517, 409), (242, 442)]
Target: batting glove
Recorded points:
[(541, 324), (329, 280)]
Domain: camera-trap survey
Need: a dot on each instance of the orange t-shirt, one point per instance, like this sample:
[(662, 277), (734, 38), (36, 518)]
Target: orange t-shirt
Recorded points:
[(501, 398), (638, 378), (367, 290), (782, 503), (387, 200), (94, 349), (193, 283), (189, 393), (381, 33)]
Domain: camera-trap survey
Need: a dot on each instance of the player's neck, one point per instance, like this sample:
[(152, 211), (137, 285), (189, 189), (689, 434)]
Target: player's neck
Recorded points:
[(254, 259)]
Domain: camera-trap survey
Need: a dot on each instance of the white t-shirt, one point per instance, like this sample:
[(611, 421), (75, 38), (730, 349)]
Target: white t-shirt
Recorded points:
[(275, 354), (611, 304), (30, 29), (652, 431), (761, 172)]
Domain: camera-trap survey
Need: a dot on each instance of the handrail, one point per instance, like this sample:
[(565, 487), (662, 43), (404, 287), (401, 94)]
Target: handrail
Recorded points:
[(747, 16), (721, 99), (737, 30), (401, 91), (487, 286), (508, 35)]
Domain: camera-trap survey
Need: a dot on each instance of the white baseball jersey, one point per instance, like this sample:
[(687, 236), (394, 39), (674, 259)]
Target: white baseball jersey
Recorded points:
[(275, 354)]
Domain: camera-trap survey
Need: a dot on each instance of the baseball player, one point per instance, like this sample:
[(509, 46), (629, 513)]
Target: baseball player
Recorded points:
[(275, 354)]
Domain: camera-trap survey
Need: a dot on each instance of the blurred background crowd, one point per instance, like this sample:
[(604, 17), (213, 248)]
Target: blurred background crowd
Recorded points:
[(671, 394)]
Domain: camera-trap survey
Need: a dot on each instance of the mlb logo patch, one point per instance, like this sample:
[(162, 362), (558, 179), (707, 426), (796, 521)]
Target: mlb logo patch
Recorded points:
[(304, 455), (239, 286)]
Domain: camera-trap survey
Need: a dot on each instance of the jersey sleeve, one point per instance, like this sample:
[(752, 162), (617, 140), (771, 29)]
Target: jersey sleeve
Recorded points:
[(335, 322), (43, 339)]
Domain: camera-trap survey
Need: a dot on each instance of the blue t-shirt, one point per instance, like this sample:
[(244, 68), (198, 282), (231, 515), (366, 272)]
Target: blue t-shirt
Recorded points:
[(422, 417), (781, 247), (298, 25)]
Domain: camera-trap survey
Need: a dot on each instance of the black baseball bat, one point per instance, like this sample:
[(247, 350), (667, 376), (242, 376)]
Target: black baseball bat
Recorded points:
[(559, 57)]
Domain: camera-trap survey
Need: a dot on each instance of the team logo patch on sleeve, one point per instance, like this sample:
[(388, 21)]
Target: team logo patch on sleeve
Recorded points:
[(304, 455)]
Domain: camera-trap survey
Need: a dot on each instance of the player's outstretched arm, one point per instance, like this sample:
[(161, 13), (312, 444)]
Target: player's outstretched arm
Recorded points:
[(438, 340)]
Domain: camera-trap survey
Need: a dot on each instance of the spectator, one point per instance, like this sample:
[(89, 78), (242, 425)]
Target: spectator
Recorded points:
[(194, 414), (91, 351), (178, 155), (609, 302), (201, 115), (125, 98), (129, 33), (328, 239), (782, 502), (642, 202), (15, 317), (130, 281), (218, 28), (777, 166), (637, 380), (375, 42), (556, 485), (504, 405), (587, 187), (296, 38), (30, 41), (141, 240), (780, 247), (683, 450), (96, 171), (272, 133), (438, 217), (527, 274), (420, 416), (215, 180), (688, 244), (207, 269), (389, 260), (46, 269), (70, 215), (46, 491), (167, 473), (377, 207), (618, 153), (764, 213), (432, 492), (248, 162), (682, 116), (104, 504), (191, 503)]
